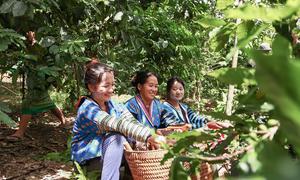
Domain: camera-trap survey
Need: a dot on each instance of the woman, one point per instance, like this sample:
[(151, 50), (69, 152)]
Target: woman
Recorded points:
[(101, 123), (144, 106), (37, 99), (173, 109)]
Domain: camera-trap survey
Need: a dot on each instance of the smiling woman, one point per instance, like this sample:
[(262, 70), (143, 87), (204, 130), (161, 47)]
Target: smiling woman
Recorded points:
[(144, 106), (175, 112), (101, 124)]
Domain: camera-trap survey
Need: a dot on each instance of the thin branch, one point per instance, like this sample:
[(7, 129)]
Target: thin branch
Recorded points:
[(9, 90), (267, 135), (226, 156)]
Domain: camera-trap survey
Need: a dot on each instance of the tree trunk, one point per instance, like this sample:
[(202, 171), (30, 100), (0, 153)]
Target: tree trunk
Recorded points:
[(230, 95)]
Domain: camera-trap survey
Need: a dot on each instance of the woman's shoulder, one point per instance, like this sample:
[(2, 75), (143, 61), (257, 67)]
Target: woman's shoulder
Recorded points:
[(86, 103), (185, 106), (131, 101), (165, 104), (116, 104)]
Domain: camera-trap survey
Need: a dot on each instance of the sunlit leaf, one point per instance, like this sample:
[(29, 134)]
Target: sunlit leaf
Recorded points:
[(210, 22), (222, 4), (219, 37), (247, 31), (268, 14), (236, 76)]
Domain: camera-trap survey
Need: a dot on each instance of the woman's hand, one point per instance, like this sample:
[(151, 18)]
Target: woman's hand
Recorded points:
[(154, 142), (218, 125), (180, 128)]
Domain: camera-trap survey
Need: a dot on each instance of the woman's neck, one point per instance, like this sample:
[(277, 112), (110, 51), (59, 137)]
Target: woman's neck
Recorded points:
[(147, 102), (101, 103), (174, 103)]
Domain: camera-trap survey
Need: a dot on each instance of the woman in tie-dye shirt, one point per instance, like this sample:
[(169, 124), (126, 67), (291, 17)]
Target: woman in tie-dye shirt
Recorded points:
[(101, 124)]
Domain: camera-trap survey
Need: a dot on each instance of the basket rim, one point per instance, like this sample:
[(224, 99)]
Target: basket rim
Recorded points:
[(145, 151)]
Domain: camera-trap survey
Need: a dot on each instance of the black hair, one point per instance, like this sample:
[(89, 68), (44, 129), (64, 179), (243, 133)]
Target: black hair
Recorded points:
[(171, 82), (140, 78), (94, 72)]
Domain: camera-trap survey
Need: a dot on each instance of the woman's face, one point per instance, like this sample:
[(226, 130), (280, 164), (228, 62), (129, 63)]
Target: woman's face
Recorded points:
[(149, 90), (177, 91), (105, 89)]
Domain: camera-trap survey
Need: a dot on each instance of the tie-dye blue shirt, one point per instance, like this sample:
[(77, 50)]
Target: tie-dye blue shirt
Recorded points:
[(152, 120), (172, 116), (92, 124)]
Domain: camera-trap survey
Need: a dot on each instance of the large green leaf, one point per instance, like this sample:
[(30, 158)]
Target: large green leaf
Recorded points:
[(268, 14), (4, 118), (236, 76), (7, 6), (277, 163), (247, 31), (219, 36), (211, 22), (278, 76), (222, 4), (19, 8)]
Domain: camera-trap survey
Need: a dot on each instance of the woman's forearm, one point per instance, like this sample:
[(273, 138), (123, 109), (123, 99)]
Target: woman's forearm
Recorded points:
[(125, 124)]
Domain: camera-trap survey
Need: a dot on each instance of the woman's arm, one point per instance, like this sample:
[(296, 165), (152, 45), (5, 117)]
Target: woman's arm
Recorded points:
[(196, 120), (125, 124)]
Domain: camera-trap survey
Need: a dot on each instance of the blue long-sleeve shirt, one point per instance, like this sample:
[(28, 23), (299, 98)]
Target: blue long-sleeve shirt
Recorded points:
[(172, 116)]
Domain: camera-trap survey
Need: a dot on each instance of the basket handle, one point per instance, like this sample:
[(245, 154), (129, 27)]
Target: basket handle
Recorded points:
[(127, 146)]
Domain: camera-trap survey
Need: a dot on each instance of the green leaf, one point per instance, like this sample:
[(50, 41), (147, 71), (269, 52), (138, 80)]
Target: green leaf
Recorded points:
[(4, 118), (47, 41), (4, 107), (267, 14), (51, 71), (4, 42), (281, 48), (19, 8), (236, 76), (279, 86), (278, 76), (222, 4), (247, 31), (210, 22), (54, 49), (223, 116), (7, 6), (177, 171), (249, 162), (80, 170), (219, 36), (277, 163)]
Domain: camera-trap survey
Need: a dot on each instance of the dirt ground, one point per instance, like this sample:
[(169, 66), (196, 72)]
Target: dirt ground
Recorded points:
[(25, 159)]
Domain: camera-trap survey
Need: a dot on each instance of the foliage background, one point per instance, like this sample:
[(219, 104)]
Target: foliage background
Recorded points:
[(191, 39)]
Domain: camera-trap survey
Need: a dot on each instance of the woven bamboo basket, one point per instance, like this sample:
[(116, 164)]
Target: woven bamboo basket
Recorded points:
[(206, 172), (145, 165)]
